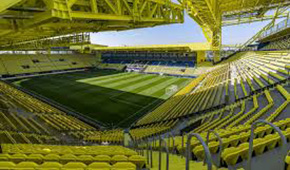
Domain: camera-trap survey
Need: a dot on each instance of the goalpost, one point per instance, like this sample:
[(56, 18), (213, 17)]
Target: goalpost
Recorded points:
[(171, 90)]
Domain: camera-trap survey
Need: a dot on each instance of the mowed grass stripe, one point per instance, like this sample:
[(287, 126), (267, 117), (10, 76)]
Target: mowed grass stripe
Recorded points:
[(82, 88), (153, 89), (66, 87), (129, 87), (103, 77), (102, 87), (108, 80), (101, 101), (148, 84), (128, 81), (181, 83), (81, 75), (62, 80), (134, 88), (145, 100)]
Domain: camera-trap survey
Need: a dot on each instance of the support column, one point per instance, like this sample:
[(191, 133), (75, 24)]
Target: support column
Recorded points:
[(216, 43)]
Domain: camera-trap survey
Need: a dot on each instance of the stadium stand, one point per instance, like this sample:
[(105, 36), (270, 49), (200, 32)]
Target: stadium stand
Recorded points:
[(17, 64), (228, 99), (33, 126), (233, 114), (111, 66), (170, 70), (251, 100), (270, 41), (169, 63)]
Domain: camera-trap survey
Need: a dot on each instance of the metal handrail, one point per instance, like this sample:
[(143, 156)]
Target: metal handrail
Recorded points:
[(173, 141), (147, 152), (182, 143), (220, 145), (283, 138), (206, 150), (142, 150), (161, 139), (151, 156)]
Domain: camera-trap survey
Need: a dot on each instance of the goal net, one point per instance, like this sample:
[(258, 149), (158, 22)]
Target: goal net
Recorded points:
[(171, 90)]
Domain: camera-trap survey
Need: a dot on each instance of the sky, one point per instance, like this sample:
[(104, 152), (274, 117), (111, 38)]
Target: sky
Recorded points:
[(187, 32)]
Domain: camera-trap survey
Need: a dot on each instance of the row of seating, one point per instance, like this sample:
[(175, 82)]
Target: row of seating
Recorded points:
[(235, 142), (111, 66), (6, 165), (64, 122), (63, 154), (150, 130), (15, 137), (138, 160), (12, 64), (247, 78), (65, 149), (199, 100), (24, 113), (112, 136), (170, 70), (249, 74)]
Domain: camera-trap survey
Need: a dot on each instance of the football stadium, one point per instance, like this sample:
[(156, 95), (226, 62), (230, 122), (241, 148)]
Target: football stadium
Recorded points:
[(69, 102)]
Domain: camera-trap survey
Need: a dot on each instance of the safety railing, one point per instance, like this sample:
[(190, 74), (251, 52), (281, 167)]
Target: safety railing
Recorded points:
[(220, 145), (208, 158), (283, 140), (276, 28), (171, 136), (162, 141)]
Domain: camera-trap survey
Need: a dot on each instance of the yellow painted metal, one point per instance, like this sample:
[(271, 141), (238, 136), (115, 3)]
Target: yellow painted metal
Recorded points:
[(173, 47), (62, 17), (212, 14), (46, 43), (5, 4), (278, 12), (251, 20)]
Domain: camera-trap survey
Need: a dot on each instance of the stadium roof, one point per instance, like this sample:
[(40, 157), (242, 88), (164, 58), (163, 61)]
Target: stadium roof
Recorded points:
[(171, 47), (26, 20)]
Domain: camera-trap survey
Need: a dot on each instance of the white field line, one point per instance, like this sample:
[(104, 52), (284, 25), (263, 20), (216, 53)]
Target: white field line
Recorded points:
[(165, 96), (158, 87), (143, 108)]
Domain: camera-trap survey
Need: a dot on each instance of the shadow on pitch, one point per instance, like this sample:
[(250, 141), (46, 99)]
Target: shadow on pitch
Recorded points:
[(110, 106)]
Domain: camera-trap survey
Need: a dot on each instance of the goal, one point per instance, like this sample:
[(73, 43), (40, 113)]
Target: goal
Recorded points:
[(171, 90)]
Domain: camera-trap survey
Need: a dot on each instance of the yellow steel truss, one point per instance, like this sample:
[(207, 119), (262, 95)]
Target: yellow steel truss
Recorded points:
[(23, 20), (211, 15)]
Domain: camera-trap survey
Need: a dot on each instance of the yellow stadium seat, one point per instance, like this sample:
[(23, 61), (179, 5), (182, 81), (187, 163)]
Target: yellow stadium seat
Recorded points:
[(26, 166), (124, 166), (7, 165), (51, 157), (18, 157), (67, 158), (99, 166), (4, 157), (102, 158), (38, 158), (85, 158), (119, 158), (74, 166), (229, 155), (50, 166), (137, 160)]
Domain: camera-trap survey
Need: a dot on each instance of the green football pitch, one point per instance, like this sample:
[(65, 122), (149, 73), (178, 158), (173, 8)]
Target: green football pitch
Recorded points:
[(111, 97)]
